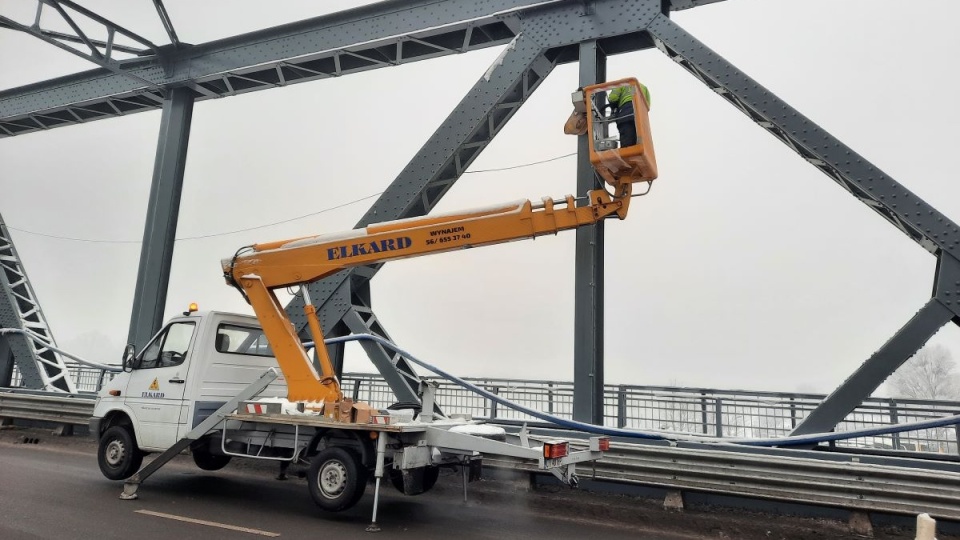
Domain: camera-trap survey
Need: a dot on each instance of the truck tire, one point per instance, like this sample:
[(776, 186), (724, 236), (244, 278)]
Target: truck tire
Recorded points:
[(117, 453), (207, 460), (429, 479), (337, 479)]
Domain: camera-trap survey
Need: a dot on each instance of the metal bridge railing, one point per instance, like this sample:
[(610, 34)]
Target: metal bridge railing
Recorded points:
[(700, 411), (86, 379)]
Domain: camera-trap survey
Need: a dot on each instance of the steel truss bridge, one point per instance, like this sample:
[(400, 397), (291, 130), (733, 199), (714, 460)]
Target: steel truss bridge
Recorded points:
[(172, 77)]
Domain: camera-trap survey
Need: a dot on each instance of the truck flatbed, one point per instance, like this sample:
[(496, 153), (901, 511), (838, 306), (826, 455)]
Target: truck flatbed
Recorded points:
[(323, 422)]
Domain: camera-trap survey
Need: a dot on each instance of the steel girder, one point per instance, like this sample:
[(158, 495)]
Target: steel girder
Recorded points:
[(384, 34), (39, 366), (379, 35), (907, 212), (101, 52), (163, 210)]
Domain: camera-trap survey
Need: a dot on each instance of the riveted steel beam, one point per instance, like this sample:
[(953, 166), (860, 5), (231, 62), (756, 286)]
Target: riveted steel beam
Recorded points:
[(937, 312), (854, 173), (370, 37), (40, 367), (163, 210), (588, 270), (907, 212)]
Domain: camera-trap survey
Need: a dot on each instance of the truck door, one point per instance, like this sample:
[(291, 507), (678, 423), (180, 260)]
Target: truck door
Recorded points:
[(156, 386)]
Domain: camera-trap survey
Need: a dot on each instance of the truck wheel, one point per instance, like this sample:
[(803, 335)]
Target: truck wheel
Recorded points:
[(336, 479), (117, 454), (429, 479), (207, 460)]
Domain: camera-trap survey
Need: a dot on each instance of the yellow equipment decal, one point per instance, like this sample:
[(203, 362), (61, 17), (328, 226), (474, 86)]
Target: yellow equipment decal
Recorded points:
[(154, 385)]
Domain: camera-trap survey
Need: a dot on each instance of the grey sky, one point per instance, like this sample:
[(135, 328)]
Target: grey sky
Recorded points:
[(744, 267)]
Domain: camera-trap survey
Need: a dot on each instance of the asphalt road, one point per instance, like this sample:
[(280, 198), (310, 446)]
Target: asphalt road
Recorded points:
[(55, 490)]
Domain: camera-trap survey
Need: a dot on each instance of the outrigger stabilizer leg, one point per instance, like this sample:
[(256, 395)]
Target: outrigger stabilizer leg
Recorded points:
[(378, 472), (132, 484)]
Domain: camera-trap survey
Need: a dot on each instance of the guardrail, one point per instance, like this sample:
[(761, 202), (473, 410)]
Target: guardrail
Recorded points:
[(70, 409), (848, 485)]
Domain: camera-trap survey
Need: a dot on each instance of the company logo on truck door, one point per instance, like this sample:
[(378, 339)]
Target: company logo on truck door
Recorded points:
[(366, 248), (154, 393)]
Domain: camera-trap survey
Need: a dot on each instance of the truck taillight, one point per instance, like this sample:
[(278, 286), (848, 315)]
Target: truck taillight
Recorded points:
[(556, 450), (604, 444)]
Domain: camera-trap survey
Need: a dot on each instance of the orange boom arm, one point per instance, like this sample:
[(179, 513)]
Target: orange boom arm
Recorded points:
[(260, 269)]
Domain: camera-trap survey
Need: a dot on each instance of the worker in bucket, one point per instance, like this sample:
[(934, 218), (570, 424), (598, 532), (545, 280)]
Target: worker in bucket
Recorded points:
[(621, 103)]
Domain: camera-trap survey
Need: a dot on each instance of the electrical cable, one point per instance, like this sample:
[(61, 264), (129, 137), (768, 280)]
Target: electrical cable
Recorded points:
[(522, 165), (213, 235), (99, 241)]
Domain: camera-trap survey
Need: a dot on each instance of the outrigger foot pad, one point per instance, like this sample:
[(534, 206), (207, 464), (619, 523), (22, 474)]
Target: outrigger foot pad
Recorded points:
[(373, 527), (129, 492)]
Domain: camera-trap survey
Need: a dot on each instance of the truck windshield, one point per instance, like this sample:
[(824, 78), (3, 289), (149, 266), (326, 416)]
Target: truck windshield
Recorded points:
[(233, 339), (169, 348)]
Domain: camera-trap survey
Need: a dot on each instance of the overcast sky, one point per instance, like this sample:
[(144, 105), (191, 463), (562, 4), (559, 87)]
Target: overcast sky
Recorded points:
[(744, 268)]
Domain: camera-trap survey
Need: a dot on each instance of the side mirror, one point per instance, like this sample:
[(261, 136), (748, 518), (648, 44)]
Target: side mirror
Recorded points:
[(128, 355)]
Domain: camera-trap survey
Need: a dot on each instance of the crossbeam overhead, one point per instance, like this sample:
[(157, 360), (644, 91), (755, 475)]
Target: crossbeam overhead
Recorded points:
[(370, 37), (99, 51)]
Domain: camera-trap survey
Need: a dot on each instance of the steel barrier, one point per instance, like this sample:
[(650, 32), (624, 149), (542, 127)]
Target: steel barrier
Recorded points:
[(848, 485), (72, 409)]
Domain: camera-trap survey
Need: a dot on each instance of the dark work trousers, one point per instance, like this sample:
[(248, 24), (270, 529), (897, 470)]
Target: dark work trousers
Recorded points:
[(626, 125)]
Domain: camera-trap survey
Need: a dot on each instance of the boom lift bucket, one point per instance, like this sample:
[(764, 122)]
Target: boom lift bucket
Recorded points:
[(615, 163)]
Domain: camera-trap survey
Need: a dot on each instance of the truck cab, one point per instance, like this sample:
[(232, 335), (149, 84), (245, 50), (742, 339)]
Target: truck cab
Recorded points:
[(191, 367)]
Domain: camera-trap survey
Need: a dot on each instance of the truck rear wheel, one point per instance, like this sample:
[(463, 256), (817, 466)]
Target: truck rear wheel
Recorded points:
[(207, 460), (117, 453), (337, 479), (422, 479)]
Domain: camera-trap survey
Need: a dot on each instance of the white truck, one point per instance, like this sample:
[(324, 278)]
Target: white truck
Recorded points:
[(192, 385), (208, 382)]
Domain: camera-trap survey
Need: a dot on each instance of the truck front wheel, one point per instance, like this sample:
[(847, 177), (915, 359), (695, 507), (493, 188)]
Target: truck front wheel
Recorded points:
[(337, 479), (117, 454)]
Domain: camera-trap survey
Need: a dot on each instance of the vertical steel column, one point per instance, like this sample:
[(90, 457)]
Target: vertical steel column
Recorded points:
[(588, 278), (163, 209), (6, 363)]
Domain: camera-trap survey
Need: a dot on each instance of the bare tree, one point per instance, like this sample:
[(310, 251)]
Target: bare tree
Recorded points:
[(929, 374)]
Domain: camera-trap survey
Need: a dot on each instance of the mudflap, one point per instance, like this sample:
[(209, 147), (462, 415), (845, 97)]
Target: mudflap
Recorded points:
[(476, 470)]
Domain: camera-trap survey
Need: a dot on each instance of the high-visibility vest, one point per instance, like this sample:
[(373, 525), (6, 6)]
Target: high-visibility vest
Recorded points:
[(624, 94)]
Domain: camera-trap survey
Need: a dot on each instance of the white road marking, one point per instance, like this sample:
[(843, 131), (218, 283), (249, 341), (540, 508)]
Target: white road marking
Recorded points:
[(209, 523)]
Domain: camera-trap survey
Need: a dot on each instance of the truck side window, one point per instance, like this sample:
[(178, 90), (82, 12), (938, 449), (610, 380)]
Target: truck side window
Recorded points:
[(234, 339), (169, 348)]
